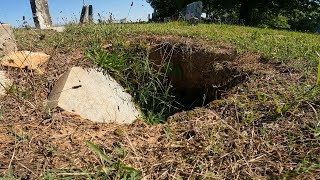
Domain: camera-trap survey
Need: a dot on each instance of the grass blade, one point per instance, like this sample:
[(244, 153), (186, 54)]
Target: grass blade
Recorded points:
[(98, 151), (318, 79)]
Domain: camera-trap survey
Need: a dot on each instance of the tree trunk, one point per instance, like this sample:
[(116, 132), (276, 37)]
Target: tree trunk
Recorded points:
[(41, 15)]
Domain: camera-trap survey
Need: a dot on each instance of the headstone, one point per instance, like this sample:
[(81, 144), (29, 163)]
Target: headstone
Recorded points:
[(166, 19), (318, 30), (25, 59), (124, 20), (194, 21), (93, 96), (41, 14), (4, 83), (90, 14), (57, 28), (194, 10), (84, 15), (7, 40)]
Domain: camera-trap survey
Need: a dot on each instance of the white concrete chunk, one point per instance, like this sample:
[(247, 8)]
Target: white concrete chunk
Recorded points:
[(7, 40), (93, 96), (57, 29), (4, 83)]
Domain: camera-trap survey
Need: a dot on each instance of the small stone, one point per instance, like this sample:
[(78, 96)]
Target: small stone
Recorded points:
[(93, 96), (25, 59)]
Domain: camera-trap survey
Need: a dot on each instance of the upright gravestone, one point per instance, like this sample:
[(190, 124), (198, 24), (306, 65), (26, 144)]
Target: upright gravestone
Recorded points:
[(41, 15), (90, 14), (7, 40), (194, 10), (84, 15)]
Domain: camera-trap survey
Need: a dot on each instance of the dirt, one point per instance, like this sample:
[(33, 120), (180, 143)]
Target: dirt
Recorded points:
[(198, 75), (238, 136)]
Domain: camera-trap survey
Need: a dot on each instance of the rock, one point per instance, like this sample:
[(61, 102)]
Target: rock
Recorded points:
[(58, 28), (25, 59), (4, 83), (7, 40), (93, 96)]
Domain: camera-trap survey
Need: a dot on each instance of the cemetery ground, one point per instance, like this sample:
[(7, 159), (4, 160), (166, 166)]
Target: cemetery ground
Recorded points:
[(219, 102)]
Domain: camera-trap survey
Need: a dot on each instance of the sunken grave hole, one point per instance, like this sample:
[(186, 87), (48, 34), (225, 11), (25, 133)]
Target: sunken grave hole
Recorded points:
[(197, 77)]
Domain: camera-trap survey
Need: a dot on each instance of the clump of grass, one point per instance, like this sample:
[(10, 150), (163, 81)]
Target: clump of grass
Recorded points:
[(19, 91), (108, 168), (149, 86), (113, 169), (310, 93)]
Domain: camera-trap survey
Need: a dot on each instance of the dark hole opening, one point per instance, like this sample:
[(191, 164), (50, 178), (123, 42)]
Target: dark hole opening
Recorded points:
[(198, 77)]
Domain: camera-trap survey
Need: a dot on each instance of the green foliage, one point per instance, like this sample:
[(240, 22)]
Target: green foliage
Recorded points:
[(132, 68), (19, 91), (298, 14), (164, 8), (114, 169), (278, 22), (310, 93), (282, 46), (318, 77)]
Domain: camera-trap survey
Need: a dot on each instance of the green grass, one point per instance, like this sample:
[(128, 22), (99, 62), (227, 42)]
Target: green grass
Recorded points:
[(109, 167), (131, 67), (279, 45), (272, 44), (281, 113)]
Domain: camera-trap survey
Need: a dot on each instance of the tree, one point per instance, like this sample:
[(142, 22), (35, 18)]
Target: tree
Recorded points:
[(164, 8), (295, 14)]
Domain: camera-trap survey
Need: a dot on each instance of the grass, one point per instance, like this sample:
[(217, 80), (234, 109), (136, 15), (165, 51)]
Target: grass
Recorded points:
[(267, 126), (283, 46), (293, 48), (132, 68), (108, 168), (114, 169)]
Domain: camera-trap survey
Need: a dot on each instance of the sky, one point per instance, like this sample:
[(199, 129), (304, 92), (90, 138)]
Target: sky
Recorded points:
[(62, 11)]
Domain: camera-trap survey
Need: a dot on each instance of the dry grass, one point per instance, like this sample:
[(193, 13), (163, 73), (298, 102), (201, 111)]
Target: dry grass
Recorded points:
[(238, 137)]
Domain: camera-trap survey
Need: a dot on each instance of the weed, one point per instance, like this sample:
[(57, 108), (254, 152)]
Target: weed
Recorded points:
[(318, 77), (262, 96), (20, 92), (110, 168), (9, 175), (50, 150), (114, 169), (20, 136), (306, 166), (167, 132), (310, 93), (131, 67)]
